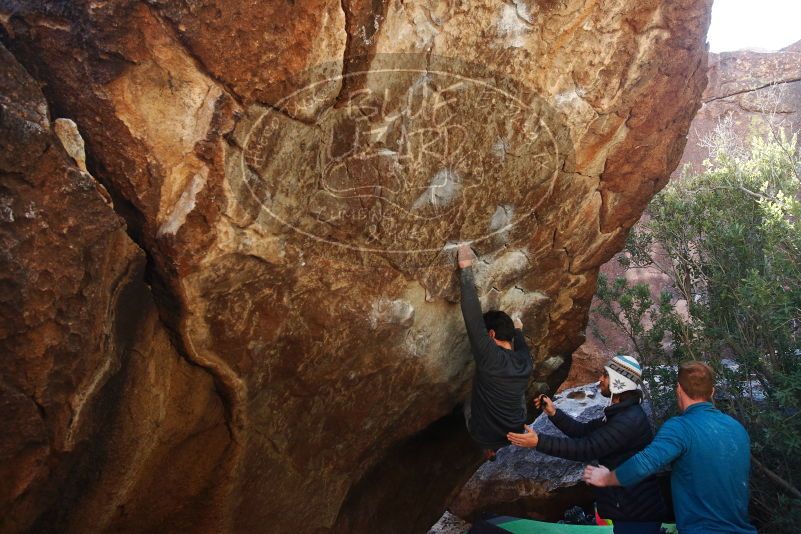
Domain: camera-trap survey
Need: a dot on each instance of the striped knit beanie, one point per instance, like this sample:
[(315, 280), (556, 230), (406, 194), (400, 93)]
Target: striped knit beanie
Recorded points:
[(625, 373)]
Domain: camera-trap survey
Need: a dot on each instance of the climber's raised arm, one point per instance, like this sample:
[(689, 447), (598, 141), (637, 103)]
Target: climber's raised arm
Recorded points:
[(471, 307)]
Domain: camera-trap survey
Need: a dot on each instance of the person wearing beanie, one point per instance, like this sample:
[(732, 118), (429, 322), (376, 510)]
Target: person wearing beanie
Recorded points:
[(624, 374), (710, 456), (622, 432)]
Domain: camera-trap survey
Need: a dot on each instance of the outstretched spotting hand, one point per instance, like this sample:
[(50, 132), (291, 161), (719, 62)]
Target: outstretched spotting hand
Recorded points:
[(465, 256), (598, 476), (528, 439), (544, 403)]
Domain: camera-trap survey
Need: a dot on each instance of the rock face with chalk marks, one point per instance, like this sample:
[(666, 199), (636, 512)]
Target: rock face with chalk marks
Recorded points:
[(294, 192)]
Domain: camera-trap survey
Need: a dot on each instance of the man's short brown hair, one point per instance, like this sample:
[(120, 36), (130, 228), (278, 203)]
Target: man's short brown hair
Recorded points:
[(697, 380)]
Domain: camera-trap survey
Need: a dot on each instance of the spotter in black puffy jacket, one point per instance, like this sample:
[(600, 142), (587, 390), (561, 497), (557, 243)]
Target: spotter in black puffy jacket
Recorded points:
[(620, 434)]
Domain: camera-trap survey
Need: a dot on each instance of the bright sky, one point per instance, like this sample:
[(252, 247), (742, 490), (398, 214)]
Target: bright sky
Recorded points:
[(754, 24)]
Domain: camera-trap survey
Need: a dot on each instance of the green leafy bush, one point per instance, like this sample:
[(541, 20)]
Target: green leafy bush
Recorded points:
[(729, 242)]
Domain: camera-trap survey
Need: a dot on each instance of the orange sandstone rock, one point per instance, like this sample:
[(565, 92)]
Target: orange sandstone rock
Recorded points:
[(297, 175)]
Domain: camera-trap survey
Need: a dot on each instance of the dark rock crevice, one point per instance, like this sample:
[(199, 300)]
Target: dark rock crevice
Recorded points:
[(67, 257), (363, 19), (167, 298), (168, 303), (752, 89)]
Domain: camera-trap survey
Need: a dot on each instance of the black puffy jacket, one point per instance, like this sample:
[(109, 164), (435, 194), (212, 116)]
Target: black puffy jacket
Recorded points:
[(620, 434)]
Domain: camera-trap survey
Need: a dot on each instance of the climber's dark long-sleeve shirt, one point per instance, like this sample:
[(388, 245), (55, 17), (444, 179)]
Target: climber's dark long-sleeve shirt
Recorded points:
[(497, 404)]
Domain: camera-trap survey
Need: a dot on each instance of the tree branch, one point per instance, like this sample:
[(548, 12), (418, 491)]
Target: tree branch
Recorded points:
[(779, 481)]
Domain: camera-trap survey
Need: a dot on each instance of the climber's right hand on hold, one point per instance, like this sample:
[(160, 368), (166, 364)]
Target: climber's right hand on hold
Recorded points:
[(465, 256), (544, 403)]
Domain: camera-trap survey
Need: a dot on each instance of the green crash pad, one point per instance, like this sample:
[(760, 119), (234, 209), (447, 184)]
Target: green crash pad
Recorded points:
[(529, 526)]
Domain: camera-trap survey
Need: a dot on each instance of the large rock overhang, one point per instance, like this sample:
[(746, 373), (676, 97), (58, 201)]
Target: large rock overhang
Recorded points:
[(298, 173)]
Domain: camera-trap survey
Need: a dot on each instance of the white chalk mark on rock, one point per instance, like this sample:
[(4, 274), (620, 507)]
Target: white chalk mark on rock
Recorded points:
[(501, 220), (6, 211), (67, 132), (444, 187), (513, 25), (185, 204), (500, 148), (394, 312)]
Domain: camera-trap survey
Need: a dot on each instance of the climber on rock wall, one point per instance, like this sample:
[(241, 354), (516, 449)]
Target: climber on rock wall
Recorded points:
[(612, 439), (503, 367)]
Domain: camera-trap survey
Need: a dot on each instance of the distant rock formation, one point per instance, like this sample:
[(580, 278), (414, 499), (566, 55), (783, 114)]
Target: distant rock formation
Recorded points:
[(274, 344), (749, 93), (752, 93)]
